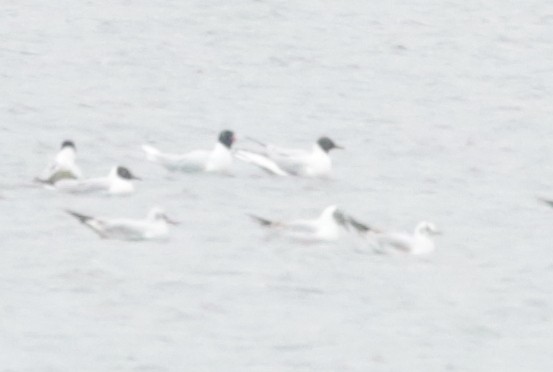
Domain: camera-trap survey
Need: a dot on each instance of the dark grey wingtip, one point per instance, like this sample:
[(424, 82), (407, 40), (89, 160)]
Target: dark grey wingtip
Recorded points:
[(546, 201), (347, 221), (81, 217), (255, 140), (262, 221), (360, 227)]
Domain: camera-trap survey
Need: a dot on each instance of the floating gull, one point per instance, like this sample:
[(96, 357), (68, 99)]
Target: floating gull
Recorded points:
[(118, 182), (420, 242), (283, 162), (63, 166), (327, 227), (153, 227), (217, 160)]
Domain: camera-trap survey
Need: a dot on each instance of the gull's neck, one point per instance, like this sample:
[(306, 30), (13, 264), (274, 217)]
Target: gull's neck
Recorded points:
[(66, 155), (317, 149), (113, 175), (120, 185), (219, 147)]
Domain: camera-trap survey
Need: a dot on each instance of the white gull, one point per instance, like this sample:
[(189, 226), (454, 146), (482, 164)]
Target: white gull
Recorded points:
[(118, 182), (418, 243), (153, 227), (217, 160), (63, 166), (292, 162), (329, 226)]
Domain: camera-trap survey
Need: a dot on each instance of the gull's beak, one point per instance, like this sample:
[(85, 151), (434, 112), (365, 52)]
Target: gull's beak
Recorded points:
[(339, 147), (136, 178)]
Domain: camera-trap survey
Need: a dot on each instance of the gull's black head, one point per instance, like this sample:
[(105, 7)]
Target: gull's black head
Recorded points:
[(227, 138), (68, 143), (327, 144), (126, 174)]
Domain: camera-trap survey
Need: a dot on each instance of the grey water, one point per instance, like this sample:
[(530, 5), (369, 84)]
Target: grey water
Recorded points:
[(444, 108)]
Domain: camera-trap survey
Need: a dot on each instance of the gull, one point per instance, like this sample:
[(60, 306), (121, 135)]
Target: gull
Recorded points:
[(327, 227), (153, 227), (292, 162), (418, 243), (63, 166), (118, 182), (217, 160)]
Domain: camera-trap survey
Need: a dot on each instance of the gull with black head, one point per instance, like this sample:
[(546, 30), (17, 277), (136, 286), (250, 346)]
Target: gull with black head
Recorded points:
[(328, 227), (218, 160), (118, 182), (63, 166), (282, 161)]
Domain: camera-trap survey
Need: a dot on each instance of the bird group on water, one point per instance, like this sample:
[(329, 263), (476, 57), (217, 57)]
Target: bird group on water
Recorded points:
[(64, 175)]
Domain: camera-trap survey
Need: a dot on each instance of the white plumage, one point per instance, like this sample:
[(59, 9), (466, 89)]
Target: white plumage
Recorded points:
[(217, 160), (284, 161), (329, 226), (64, 165), (153, 227), (420, 242), (118, 182)]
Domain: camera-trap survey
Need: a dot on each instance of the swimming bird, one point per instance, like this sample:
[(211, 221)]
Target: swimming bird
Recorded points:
[(63, 166), (292, 162), (420, 242), (118, 182), (217, 160), (327, 227), (153, 227)]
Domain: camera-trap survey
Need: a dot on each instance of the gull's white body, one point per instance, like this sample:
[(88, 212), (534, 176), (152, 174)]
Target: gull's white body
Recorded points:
[(153, 227), (324, 228), (283, 162), (418, 243), (62, 167), (113, 184), (217, 160)]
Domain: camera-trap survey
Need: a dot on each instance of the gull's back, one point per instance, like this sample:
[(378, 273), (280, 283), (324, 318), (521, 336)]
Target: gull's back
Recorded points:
[(83, 186), (128, 229)]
